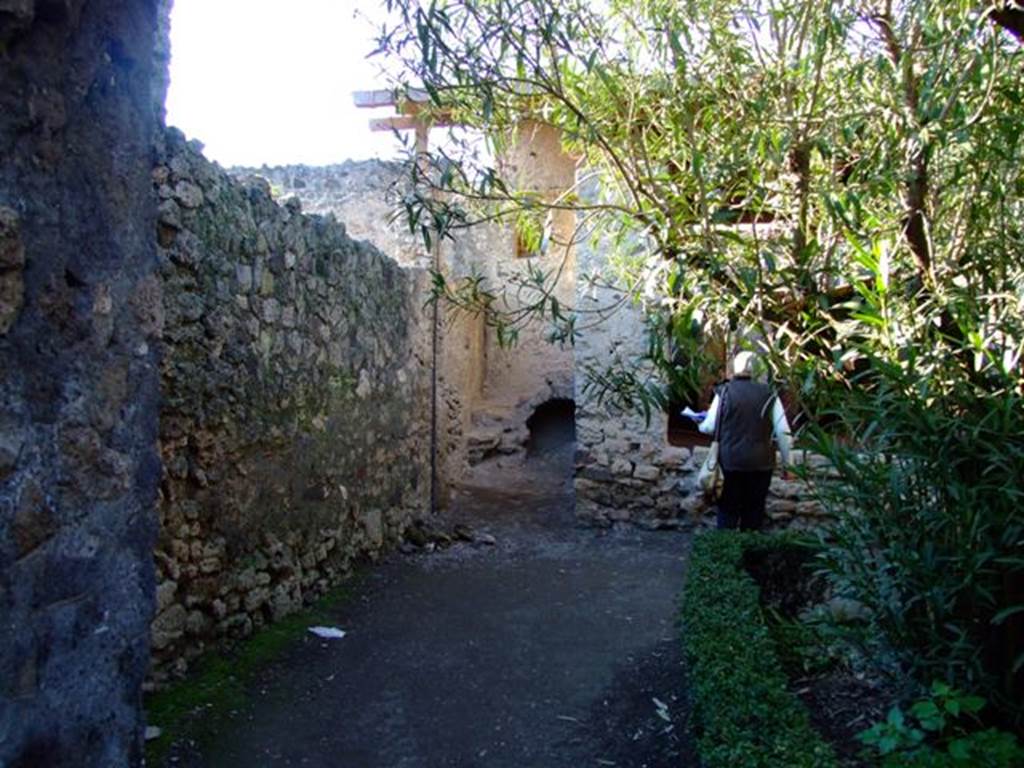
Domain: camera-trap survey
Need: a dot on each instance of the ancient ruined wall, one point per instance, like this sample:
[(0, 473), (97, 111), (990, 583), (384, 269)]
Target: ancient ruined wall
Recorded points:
[(360, 194), (78, 378), (515, 380), (626, 470), (485, 392), (461, 349), (294, 426), (511, 381)]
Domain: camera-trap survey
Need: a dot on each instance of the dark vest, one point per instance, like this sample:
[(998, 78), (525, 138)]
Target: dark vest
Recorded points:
[(745, 426)]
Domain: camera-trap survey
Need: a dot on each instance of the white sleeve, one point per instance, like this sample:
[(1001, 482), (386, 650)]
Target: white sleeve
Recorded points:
[(780, 426), (708, 425)]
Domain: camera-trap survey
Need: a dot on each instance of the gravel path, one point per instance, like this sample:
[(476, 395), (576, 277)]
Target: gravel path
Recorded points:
[(557, 646)]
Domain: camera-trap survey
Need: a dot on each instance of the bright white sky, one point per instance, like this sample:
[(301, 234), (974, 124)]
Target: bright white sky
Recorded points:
[(271, 81)]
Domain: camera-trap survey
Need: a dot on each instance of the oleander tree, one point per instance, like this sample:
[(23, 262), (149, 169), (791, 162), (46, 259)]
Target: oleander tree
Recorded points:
[(837, 183)]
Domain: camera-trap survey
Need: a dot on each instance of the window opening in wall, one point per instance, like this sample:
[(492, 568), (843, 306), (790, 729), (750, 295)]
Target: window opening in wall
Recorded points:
[(526, 248), (682, 430), (698, 364), (552, 427), (523, 249)]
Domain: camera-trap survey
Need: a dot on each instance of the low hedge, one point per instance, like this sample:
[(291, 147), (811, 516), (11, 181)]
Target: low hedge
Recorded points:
[(743, 715)]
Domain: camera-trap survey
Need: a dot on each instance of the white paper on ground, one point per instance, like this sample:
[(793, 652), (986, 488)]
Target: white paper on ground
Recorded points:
[(328, 633)]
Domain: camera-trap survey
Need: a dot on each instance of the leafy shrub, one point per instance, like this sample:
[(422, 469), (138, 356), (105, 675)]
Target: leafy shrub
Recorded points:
[(931, 523), (744, 715), (946, 716)]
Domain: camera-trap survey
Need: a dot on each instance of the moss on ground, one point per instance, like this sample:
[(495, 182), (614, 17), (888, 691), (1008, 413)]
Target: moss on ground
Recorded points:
[(195, 708)]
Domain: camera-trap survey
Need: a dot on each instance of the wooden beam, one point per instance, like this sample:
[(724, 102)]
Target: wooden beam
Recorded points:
[(395, 123), (405, 123)]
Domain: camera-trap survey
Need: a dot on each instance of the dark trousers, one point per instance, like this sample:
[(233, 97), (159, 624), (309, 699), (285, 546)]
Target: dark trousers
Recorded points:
[(742, 502)]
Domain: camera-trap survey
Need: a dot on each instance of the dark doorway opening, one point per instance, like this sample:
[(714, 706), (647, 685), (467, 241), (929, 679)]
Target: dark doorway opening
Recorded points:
[(552, 427), (682, 430)]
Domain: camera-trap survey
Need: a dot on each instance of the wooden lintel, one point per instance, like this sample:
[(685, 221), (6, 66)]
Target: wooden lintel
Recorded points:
[(395, 123), (405, 123)]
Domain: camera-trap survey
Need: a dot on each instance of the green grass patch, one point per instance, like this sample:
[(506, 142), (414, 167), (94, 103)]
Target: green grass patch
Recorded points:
[(196, 707), (743, 714)]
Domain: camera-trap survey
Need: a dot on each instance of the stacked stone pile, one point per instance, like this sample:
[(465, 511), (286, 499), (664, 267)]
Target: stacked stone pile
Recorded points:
[(655, 486), (295, 414)]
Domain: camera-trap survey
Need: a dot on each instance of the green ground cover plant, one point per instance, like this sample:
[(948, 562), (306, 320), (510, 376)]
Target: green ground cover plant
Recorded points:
[(744, 716), (741, 650), (941, 730)]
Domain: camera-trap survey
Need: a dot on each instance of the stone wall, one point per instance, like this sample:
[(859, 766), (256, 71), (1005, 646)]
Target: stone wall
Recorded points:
[(295, 420), (509, 382), (362, 194), (626, 470), (516, 379), (79, 337), (485, 392)]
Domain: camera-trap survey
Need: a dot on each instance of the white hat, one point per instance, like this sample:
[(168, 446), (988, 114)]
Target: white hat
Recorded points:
[(743, 364)]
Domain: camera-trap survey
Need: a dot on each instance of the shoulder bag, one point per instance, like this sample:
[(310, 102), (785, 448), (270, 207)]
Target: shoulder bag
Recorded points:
[(709, 477)]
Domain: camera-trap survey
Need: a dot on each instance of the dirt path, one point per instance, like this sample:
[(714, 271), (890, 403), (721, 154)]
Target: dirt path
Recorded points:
[(556, 647)]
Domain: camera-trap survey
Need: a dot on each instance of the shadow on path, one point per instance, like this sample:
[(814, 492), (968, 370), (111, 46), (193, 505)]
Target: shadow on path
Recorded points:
[(556, 647)]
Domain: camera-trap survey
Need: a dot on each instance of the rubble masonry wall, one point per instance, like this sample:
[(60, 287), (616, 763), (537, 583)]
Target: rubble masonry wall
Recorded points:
[(294, 426), (485, 392)]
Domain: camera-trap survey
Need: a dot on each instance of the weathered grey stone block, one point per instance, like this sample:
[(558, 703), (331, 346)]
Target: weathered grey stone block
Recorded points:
[(647, 472), (622, 467)]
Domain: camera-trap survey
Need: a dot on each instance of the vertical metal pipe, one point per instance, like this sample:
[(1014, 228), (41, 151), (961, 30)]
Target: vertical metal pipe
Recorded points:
[(422, 150), (435, 340)]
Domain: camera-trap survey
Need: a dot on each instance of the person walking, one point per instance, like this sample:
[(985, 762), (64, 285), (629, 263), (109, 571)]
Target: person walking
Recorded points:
[(746, 415)]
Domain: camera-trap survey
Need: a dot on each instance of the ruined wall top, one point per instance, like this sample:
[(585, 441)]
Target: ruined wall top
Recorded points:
[(361, 194)]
